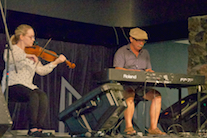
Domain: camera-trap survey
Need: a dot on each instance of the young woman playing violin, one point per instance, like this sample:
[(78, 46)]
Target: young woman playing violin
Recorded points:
[(21, 87)]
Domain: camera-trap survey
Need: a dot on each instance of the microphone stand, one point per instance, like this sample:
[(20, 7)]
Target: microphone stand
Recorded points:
[(8, 47)]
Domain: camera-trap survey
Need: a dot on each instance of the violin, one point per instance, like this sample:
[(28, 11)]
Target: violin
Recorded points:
[(47, 55)]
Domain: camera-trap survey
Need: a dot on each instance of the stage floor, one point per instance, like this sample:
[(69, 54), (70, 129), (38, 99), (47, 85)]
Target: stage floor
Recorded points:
[(23, 134)]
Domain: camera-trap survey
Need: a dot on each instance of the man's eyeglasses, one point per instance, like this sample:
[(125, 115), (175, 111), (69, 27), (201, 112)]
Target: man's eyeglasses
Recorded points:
[(140, 40)]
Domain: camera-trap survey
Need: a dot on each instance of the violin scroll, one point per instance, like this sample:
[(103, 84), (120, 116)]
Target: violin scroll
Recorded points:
[(71, 65)]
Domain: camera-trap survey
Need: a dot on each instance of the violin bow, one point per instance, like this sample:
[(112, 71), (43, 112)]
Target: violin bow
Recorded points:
[(43, 49)]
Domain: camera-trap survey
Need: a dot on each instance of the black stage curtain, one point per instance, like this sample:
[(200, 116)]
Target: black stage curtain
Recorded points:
[(88, 59)]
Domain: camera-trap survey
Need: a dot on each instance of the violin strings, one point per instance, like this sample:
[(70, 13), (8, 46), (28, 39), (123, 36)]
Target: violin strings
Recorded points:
[(46, 51)]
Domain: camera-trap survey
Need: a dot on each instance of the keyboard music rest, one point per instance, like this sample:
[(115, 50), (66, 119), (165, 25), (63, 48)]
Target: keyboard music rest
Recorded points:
[(171, 80)]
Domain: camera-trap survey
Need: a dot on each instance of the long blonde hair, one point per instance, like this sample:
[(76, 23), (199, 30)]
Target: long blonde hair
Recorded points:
[(20, 30)]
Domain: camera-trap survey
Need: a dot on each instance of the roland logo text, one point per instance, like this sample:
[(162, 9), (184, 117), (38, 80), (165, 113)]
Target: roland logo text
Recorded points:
[(129, 76)]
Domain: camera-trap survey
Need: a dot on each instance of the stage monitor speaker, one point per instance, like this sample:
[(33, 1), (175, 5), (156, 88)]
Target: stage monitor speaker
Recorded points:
[(100, 109), (170, 118), (5, 119)]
